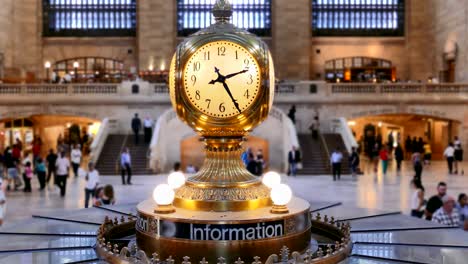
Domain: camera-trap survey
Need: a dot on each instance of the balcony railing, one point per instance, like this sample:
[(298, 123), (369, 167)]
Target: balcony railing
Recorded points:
[(289, 91)]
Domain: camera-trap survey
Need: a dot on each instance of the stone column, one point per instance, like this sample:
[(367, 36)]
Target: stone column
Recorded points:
[(25, 37), (291, 35), (419, 36), (156, 36), (6, 12)]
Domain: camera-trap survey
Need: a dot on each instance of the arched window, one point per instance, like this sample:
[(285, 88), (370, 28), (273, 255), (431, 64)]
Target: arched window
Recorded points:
[(91, 68), (253, 15), (358, 17), (89, 18), (359, 69)]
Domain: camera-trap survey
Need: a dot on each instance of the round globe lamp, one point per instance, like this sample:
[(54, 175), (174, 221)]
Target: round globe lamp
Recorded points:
[(271, 179), (163, 195), (176, 180), (281, 195)]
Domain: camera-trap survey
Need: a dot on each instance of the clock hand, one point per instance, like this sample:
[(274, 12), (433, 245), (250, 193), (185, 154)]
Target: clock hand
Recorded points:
[(220, 78), (232, 98), (234, 74)]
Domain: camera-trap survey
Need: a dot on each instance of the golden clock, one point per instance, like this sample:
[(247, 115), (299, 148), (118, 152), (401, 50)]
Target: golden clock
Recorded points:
[(222, 85), (222, 79)]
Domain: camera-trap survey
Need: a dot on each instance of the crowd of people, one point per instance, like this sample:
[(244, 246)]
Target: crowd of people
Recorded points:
[(255, 163), (440, 208), (19, 167)]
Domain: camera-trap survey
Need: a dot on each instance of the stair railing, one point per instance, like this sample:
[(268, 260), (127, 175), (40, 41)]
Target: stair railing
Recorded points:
[(99, 140), (327, 151), (124, 144)]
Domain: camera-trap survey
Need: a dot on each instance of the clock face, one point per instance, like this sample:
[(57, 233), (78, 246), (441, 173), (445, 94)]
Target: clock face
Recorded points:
[(222, 79)]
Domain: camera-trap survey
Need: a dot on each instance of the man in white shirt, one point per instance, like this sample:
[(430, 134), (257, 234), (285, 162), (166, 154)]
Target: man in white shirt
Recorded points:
[(448, 154), (62, 166), (92, 181), (148, 128), (75, 159), (335, 160), (126, 166), (447, 214)]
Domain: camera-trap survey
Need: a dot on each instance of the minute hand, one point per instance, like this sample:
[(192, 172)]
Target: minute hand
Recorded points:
[(234, 74), (232, 98)]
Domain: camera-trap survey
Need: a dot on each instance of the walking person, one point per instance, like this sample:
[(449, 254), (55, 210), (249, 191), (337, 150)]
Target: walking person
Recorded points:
[(51, 159), (427, 153), (417, 199), (314, 127), (399, 156), (458, 154), (260, 162), (383, 154), (36, 149), (354, 161), (76, 159), (449, 155), (27, 176), (294, 157), (292, 114), (417, 165), (3, 185), (62, 168), (252, 165), (335, 160), (408, 148), (375, 157), (136, 127), (11, 165), (148, 129), (40, 169), (92, 181), (126, 166)]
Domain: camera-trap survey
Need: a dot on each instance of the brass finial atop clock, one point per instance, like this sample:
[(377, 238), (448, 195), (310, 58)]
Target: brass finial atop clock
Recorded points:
[(222, 85)]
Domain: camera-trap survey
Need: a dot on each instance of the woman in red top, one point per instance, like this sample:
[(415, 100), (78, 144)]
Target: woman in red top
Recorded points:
[(384, 158)]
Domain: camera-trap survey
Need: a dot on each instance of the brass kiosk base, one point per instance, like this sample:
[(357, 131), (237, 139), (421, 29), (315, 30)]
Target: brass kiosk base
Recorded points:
[(230, 235)]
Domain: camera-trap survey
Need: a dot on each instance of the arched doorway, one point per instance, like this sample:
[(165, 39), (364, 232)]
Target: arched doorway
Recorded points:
[(192, 150), (52, 130), (393, 129)]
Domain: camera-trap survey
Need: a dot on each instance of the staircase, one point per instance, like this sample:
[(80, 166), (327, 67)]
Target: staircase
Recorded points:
[(110, 155), (315, 160), (333, 141), (314, 157)]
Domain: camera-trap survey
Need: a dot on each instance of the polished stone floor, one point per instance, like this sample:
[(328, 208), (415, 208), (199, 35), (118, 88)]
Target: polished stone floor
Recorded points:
[(44, 228), (389, 192)]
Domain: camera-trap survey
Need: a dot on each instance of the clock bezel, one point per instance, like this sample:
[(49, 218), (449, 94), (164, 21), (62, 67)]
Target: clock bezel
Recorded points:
[(236, 125)]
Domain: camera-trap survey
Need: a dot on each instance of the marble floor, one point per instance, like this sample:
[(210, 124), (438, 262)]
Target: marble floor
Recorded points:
[(389, 192)]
